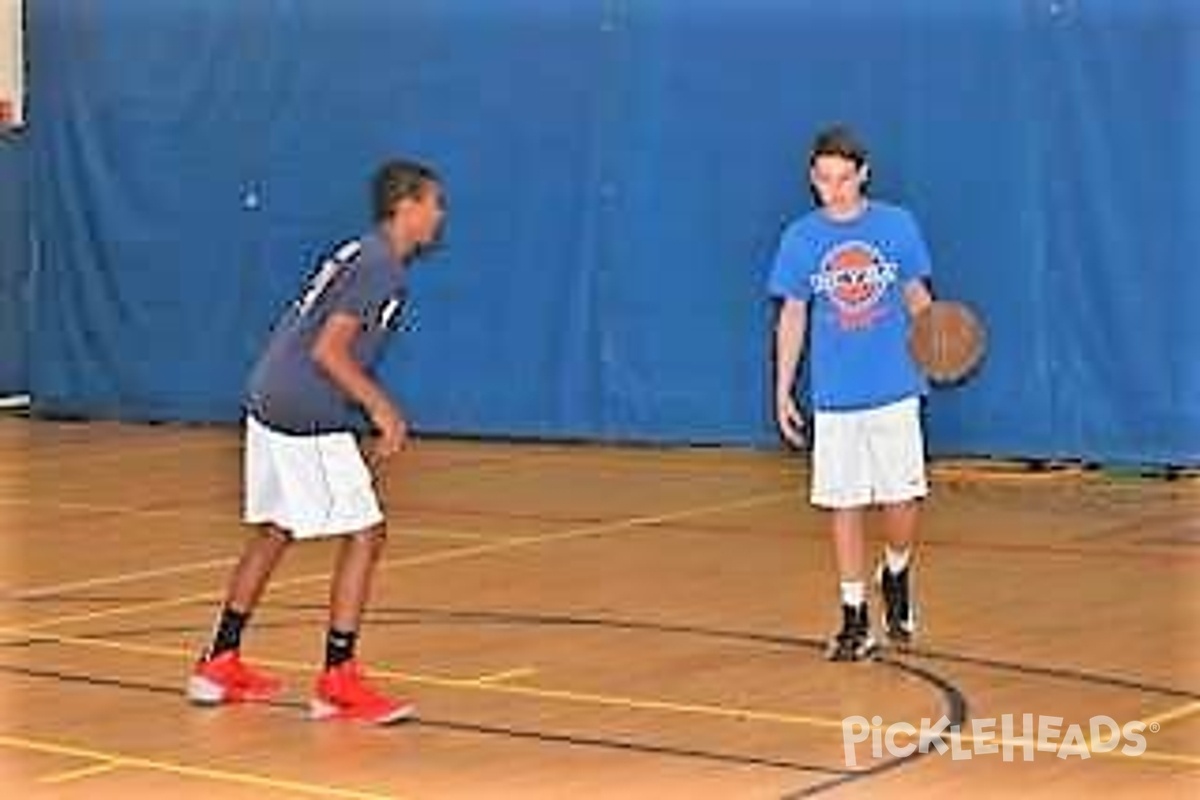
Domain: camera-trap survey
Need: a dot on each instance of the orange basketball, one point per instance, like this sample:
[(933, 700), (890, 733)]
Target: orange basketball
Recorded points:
[(947, 341)]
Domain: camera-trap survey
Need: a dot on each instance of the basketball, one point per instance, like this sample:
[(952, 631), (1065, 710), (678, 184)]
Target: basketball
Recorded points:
[(947, 341)]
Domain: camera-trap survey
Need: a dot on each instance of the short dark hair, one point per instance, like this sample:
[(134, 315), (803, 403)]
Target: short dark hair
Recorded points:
[(838, 140), (398, 180)]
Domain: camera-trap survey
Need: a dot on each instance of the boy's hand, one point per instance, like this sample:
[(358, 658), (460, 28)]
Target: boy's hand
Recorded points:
[(392, 429), (790, 420)]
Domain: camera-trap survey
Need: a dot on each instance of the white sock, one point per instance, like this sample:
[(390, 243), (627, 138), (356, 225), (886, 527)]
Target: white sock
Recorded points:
[(897, 560), (853, 593)]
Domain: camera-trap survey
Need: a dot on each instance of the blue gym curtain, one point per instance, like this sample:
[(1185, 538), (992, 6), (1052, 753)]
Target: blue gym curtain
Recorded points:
[(16, 264), (618, 173)]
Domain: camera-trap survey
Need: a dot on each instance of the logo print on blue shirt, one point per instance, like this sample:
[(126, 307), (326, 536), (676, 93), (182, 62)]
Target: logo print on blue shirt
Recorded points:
[(854, 276)]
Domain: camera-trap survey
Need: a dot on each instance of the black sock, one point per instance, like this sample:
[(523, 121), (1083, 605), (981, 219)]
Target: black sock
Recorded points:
[(229, 632), (339, 647)]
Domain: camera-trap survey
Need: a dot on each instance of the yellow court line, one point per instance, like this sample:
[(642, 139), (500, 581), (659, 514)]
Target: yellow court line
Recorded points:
[(184, 770), (422, 531), (650, 704), (507, 675), (492, 684), (87, 453), (199, 566), (1166, 758), (541, 693), (983, 474), (1174, 715), (81, 773), (124, 577), (100, 508), (438, 557), (979, 469)]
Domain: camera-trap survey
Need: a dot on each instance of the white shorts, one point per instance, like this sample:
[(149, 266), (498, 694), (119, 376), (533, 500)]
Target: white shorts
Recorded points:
[(868, 457), (311, 486)]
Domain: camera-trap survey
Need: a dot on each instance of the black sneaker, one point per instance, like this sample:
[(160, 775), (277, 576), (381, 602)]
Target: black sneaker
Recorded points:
[(854, 641), (899, 619)]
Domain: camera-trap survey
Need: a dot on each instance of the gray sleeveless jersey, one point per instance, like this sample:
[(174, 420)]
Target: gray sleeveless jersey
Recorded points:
[(288, 391)]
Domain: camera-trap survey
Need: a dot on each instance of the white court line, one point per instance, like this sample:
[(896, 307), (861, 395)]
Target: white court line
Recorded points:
[(419, 531), (98, 508), (488, 547), (126, 577), (89, 452), (199, 566)]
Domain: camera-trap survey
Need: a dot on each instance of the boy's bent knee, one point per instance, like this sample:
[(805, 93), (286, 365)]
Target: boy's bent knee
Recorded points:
[(376, 534)]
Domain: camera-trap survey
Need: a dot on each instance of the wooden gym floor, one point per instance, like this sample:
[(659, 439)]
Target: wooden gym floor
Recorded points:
[(581, 621)]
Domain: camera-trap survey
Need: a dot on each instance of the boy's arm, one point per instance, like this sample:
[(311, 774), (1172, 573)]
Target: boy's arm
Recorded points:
[(917, 296), (918, 289), (789, 345), (333, 352)]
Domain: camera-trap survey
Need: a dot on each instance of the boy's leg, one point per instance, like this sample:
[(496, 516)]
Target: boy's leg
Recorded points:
[(853, 642), (847, 526), (265, 477), (342, 691), (898, 451), (260, 556), (277, 473), (900, 529), (840, 484), (352, 576), (219, 675), (350, 589), (900, 524)]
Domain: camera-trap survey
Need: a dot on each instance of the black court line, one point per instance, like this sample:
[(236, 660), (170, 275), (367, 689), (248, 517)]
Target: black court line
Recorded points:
[(27, 642), (953, 700), (1063, 673), (426, 615), (782, 640), (419, 615), (635, 747), (623, 745), (956, 714)]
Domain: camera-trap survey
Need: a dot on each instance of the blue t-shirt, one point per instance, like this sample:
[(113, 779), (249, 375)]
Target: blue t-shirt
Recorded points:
[(288, 391), (854, 273)]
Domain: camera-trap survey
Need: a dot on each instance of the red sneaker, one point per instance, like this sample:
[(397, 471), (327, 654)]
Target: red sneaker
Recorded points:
[(225, 679), (342, 693)]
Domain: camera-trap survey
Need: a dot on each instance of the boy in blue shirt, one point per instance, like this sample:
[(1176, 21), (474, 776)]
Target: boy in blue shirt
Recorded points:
[(305, 476), (855, 271)]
